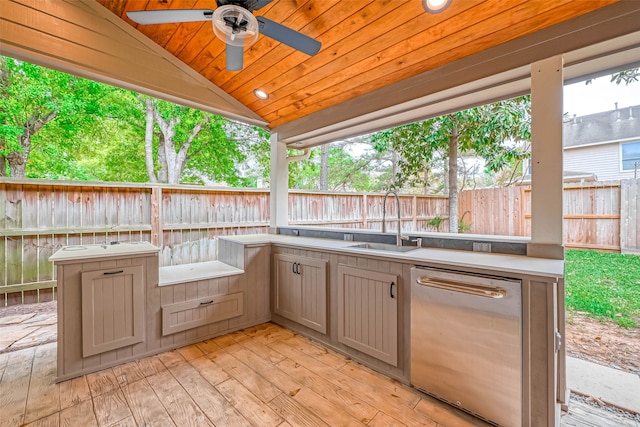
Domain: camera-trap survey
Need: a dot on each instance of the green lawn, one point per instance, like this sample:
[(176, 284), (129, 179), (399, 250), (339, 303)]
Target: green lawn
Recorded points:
[(604, 285)]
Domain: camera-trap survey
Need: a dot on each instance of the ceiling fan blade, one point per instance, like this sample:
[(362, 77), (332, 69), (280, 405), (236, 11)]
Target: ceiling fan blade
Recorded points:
[(235, 57), (288, 36), (259, 4), (170, 16)]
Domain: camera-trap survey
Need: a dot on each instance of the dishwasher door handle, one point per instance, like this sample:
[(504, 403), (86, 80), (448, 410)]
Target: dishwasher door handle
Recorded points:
[(464, 287)]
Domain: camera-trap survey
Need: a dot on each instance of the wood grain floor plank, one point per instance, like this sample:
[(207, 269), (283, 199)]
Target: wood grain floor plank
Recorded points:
[(171, 358), (52, 420), (151, 366), (102, 382), (256, 412), (213, 373), (147, 410), (128, 373), (224, 341), (263, 350), (190, 352), (212, 403), (44, 393), (179, 405), (383, 420), (125, 422), (315, 350), (380, 398), (355, 370), (78, 415), (272, 373), (445, 414), (352, 405), (331, 413), (110, 408), (74, 391), (15, 385), (208, 346), (250, 379), (295, 413)]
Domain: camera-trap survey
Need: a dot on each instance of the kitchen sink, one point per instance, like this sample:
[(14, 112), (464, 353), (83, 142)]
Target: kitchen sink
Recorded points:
[(384, 247)]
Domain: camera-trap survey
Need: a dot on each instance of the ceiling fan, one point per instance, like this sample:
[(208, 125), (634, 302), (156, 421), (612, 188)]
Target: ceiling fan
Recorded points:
[(234, 23)]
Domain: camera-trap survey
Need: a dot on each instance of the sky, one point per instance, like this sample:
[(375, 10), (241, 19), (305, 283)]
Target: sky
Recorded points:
[(601, 95)]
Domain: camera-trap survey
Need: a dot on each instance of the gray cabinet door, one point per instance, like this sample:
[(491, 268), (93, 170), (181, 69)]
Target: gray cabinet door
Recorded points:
[(300, 290), (368, 312), (112, 309)]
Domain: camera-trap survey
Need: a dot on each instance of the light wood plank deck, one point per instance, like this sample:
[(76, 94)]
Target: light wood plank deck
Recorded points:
[(261, 376)]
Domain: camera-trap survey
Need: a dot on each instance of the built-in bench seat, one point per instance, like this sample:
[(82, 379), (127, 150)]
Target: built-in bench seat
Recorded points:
[(175, 274)]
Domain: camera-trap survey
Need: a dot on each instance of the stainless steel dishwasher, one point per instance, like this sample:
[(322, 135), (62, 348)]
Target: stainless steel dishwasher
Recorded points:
[(466, 342)]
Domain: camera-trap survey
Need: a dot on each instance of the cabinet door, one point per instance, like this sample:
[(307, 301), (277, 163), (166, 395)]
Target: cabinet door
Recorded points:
[(287, 287), (368, 312), (301, 290), (112, 309), (313, 287)]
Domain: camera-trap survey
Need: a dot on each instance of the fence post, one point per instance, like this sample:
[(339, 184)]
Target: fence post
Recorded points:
[(157, 233), (364, 212), (414, 212)]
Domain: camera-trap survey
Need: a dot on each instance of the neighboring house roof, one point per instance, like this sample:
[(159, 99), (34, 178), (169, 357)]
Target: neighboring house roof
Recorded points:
[(617, 125)]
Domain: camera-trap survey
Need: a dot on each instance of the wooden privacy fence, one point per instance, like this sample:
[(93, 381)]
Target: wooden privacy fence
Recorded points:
[(38, 217), (602, 215)]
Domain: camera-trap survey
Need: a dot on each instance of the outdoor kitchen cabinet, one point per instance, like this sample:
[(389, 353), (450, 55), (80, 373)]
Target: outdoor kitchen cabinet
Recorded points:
[(368, 312), (112, 308), (104, 312), (300, 290)]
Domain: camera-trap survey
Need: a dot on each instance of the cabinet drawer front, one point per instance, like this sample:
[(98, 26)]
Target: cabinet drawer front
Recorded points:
[(199, 312)]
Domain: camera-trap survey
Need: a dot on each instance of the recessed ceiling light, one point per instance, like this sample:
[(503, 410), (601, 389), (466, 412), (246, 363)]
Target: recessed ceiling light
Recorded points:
[(261, 94), (435, 6)]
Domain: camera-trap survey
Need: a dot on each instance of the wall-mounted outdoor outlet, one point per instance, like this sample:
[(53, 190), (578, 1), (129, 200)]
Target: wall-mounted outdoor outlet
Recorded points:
[(481, 247), (295, 232), (348, 237)]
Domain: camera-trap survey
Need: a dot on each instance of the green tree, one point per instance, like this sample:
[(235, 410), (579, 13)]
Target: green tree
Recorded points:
[(37, 103), (187, 145), (484, 131)]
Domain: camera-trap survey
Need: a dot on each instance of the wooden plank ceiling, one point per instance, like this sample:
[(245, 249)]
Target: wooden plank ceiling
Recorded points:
[(366, 45)]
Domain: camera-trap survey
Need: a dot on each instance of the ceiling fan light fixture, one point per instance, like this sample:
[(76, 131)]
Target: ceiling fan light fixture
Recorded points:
[(260, 94), (235, 25), (435, 6)]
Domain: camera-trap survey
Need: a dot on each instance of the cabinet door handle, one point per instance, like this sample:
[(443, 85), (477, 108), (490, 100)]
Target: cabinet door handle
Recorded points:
[(295, 268), (391, 289), (106, 273), (206, 302)]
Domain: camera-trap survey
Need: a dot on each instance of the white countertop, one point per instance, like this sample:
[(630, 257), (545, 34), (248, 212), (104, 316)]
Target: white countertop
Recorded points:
[(446, 257), (184, 273), (81, 252)]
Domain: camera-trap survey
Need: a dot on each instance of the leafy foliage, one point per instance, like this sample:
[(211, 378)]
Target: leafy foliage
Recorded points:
[(59, 126), (484, 131), (39, 106)]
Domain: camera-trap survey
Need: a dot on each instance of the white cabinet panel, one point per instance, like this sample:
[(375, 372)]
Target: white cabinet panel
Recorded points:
[(301, 290), (368, 312), (112, 309)]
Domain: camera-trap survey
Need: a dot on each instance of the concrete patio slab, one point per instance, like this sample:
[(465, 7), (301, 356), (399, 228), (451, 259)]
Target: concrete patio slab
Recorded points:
[(611, 386)]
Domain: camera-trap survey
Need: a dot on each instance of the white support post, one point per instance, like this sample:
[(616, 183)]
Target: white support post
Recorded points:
[(546, 159), (279, 191)]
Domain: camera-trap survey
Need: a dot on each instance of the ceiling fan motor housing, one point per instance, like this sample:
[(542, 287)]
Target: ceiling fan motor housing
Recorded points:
[(235, 25)]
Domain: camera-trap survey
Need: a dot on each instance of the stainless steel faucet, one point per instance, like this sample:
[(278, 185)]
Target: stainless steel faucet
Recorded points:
[(384, 214)]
